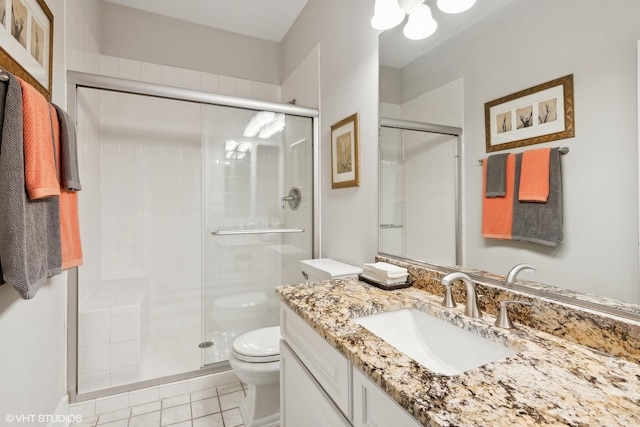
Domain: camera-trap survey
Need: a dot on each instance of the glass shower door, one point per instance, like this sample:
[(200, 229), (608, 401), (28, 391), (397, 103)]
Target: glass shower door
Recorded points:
[(257, 184)]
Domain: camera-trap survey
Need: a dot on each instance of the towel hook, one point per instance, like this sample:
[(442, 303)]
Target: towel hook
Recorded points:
[(4, 75)]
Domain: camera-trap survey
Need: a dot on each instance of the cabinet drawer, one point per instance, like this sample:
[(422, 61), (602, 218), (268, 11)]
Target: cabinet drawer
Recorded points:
[(330, 368), (374, 408), (303, 401)]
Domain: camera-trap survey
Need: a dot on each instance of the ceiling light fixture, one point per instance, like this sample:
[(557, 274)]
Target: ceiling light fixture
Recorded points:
[(455, 6), (387, 14), (420, 25)]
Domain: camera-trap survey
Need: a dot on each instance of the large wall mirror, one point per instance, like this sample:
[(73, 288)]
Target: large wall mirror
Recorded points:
[(513, 45)]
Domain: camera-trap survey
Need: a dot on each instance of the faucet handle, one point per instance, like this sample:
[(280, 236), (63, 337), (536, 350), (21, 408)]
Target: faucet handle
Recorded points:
[(503, 320), (448, 300)]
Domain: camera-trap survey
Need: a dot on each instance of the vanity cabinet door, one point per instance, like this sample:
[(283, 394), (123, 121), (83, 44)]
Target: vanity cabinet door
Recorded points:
[(330, 368), (374, 408), (302, 401)]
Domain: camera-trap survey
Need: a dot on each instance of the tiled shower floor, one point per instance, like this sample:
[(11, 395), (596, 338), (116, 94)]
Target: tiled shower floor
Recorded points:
[(213, 407)]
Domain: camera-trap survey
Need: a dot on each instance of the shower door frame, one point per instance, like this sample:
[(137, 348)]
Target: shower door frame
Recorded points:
[(456, 132), (78, 80)]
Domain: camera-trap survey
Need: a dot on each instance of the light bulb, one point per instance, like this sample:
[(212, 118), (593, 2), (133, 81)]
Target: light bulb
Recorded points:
[(420, 24), (387, 15), (455, 6)]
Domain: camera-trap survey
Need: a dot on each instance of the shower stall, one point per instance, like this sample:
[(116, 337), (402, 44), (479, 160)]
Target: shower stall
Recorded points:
[(419, 191), (194, 208)]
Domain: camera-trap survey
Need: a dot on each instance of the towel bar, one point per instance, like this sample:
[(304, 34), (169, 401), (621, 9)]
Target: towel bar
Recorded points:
[(258, 231), (562, 150)]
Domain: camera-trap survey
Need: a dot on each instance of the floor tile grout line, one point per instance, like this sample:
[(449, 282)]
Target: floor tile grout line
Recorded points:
[(231, 388)]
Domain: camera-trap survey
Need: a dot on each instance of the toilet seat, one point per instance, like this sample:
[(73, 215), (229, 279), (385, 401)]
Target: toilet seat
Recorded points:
[(258, 346)]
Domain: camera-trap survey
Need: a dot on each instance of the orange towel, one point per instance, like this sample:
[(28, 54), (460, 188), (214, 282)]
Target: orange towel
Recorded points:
[(534, 176), (40, 172), (497, 212), (69, 224)]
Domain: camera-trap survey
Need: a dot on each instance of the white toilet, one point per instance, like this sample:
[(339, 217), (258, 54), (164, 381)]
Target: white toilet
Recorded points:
[(255, 357)]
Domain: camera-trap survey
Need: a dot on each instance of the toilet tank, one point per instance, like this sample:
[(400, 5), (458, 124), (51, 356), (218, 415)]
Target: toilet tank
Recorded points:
[(313, 270)]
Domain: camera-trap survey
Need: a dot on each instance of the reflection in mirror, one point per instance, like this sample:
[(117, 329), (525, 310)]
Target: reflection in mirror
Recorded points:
[(450, 81), (419, 191)]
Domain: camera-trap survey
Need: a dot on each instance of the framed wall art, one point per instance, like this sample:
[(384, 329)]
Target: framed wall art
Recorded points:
[(539, 114), (345, 157), (26, 42)]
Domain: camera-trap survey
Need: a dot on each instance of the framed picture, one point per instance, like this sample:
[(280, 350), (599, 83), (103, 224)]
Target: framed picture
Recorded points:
[(345, 157), (26, 42), (539, 114)]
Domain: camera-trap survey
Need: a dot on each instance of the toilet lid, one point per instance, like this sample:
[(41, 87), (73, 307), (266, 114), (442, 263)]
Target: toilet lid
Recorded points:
[(261, 345)]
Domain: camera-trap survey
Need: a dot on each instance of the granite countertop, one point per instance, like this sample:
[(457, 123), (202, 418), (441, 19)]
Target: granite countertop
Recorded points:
[(550, 381)]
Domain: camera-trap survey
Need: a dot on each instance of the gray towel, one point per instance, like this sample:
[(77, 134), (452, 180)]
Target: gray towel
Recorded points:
[(29, 229), (496, 185), (68, 151), (540, 222)]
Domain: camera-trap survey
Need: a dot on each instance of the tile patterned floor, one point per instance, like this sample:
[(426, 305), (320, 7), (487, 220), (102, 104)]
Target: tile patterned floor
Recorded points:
[(214, 407)]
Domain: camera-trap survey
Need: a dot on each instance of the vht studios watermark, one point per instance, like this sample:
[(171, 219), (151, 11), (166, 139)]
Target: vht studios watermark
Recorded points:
[(42, 418)]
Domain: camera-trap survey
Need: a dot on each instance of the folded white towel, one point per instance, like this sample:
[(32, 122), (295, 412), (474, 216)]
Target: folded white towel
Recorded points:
[(385, 269), (383, 280), (374, 272)]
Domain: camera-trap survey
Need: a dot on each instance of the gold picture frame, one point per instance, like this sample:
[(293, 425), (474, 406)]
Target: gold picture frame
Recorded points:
[(345, 153), (535, 115), (26, 42)]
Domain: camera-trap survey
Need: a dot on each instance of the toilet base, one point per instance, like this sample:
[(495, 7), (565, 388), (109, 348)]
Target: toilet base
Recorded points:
[(263, 411)]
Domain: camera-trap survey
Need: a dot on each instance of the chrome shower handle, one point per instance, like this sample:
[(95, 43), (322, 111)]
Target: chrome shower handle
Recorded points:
[(287, 199), (293, 198)]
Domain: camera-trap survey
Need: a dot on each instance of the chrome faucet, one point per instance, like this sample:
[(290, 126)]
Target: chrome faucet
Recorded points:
[(471, 309), (511, 277)]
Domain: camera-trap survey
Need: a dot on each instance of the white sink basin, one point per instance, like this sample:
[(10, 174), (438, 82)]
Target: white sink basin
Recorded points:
[(439, 346)]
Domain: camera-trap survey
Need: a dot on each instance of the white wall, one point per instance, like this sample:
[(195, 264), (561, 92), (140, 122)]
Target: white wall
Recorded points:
[(33, 356), (134, 34), (348, 84), (527, 43)]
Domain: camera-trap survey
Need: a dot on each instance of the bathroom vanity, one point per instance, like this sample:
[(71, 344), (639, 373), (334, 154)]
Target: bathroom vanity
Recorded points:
[(320, 387), (335, 372)]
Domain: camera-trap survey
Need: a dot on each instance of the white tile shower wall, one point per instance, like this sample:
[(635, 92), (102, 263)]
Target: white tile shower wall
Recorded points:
[(112, 333), (151, 192), (303, 83), (82, 35)]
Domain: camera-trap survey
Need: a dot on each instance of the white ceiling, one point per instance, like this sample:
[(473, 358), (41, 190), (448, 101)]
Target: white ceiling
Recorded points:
[(271, 19), (264, 19)]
